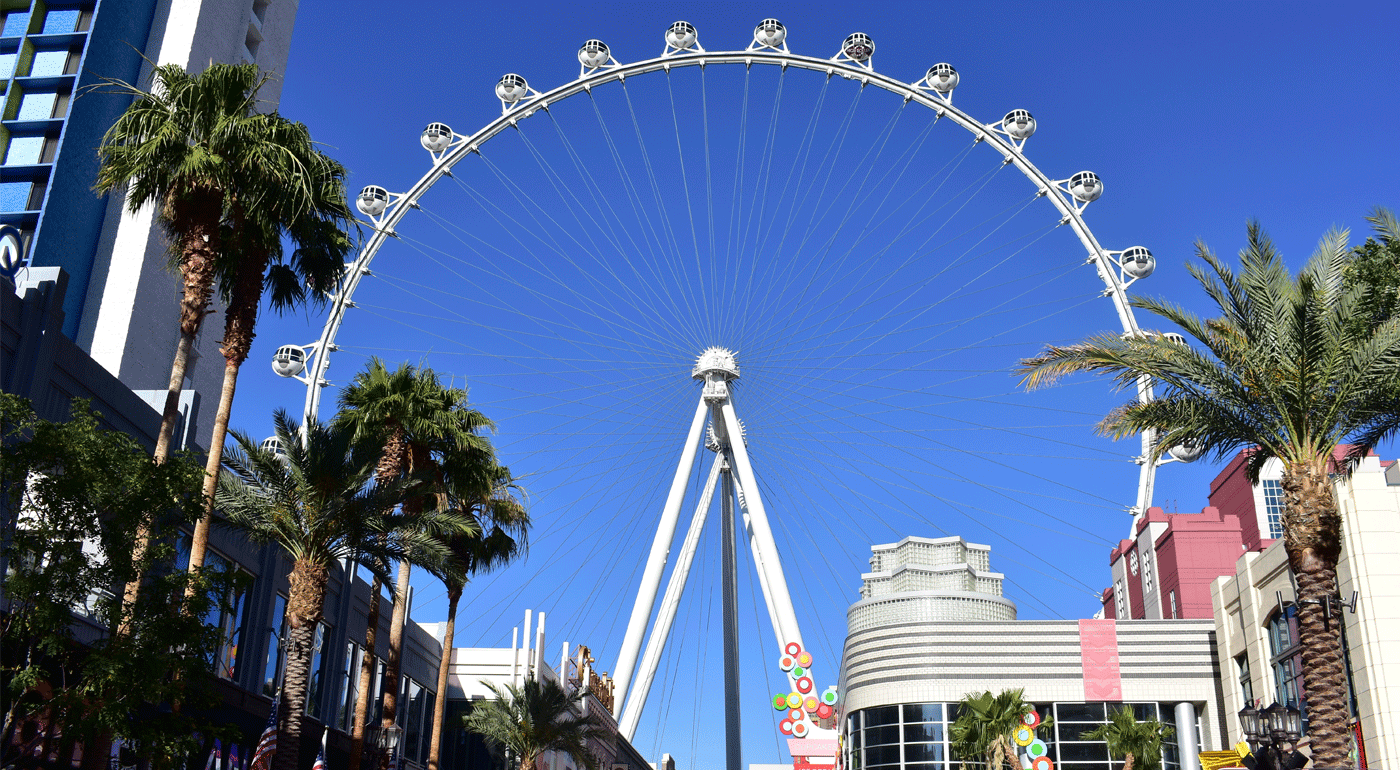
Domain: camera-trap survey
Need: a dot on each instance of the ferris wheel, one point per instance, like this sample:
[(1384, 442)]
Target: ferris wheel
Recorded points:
[(816, 271)]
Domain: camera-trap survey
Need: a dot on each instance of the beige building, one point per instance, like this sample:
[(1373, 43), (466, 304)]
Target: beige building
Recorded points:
[(1257, 639)]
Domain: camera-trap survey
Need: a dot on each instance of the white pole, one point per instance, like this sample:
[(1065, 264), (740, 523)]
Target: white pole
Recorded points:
[(767, 560), (525, 648), (514, 657), (564, 666), (661, 632), (539, 647), (656, 562), (762, 579)]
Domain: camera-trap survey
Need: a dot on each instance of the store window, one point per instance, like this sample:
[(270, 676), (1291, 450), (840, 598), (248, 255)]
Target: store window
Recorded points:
[(229, 616), (276, 629), (1246, 681), (1286, 660), (313, 687), (1273, 506)]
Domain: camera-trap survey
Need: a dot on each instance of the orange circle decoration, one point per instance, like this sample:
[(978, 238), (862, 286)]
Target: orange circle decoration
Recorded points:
[(804, 659), (785, 726), (810, 703), (792, 648), (794, 700), (804, 685), (1042, 763), (786, 663), (799, 729), (1031, 719)]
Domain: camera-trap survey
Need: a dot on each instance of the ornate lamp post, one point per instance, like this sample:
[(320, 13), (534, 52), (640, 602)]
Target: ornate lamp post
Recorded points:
[(385, 739), (1272, 734)]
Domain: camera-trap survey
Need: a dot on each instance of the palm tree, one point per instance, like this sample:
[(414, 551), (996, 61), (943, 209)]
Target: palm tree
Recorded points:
[(472, 555), (1139, 744), (317, 502), (258, 218), (536, 717), (186, 145), (412, 418), (1279, 374), (985, 725)]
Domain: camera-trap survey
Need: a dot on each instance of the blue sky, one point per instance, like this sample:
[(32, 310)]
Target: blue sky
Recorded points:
[(1197, 116)]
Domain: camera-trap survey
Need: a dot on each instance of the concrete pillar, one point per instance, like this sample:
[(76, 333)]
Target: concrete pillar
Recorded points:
[(1186, 736)]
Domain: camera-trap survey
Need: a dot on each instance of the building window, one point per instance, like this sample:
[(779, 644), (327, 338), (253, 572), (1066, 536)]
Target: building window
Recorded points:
[(228, 616), (1286, 660), (1147, 575), (1120, 595), (1246, 682), (276, 629), (313, 688), (1172, 594), (349, 687), (1133, 562), (1273, 506)]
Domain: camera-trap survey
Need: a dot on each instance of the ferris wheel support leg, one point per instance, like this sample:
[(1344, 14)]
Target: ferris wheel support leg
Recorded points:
[(757, 558), (766, 549), (1147, 471), (670, 602), (656, 562)]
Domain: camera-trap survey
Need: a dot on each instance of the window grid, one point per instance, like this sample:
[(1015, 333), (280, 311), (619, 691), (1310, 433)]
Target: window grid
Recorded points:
[(1273, 506)]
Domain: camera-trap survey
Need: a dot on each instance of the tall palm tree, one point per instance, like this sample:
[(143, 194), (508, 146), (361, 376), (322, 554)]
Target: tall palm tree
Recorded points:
[(186, 145), (317, 502), (496, 506), (536, 717), (985, 725), (1139, 744), (1279, 373), (412, 418), (259, 216)]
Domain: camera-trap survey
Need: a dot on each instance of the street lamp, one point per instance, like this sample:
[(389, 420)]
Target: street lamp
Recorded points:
[(385, 738), (1271, 734)]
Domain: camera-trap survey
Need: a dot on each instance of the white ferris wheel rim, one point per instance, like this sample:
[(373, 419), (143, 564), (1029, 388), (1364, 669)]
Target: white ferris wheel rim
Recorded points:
[(383, 226)]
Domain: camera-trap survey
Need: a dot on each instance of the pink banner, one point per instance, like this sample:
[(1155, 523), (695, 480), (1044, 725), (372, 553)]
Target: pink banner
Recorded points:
[(811, 747), (1098, 651)]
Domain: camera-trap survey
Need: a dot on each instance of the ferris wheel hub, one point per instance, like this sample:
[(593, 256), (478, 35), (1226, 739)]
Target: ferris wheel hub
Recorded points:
[(716, 363)]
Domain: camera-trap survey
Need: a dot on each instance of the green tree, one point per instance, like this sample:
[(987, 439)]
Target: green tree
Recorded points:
[(985, 724), (536, 717), (318, 503), (1277, 373), (496, 506), (189, 145), (253, 264), (74, 496), (1375, 265), (412, 419), (1138, 744)]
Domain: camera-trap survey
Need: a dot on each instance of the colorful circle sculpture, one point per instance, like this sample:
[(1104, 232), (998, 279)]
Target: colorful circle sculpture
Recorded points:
[(1037, 748), (810, 703), (804, 659), (792, 648), (829, 697), (1042, 763), (804, 685), (1023, 736), (794, 700), (795, 715), (786, 662), (798, 671), (785, 726), (806, 710), (799, 729), (1031, 719), (823, 711), (780, 702)]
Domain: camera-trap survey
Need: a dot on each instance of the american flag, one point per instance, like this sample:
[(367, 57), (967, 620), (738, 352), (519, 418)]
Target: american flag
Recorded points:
[(394, 759), (233, 763), (320, 760), (216, 756), (267, 742)]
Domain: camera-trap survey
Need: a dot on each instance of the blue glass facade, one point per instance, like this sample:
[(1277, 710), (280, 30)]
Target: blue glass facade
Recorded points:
[(51, 54)]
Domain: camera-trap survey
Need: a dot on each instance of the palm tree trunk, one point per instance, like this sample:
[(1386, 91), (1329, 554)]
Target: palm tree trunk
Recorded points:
[(357, 729), (1312, 537), (306, 596), (454, 593), (239, 321), (393, 663), (1011, 759), (1127, 760), (196, 216)]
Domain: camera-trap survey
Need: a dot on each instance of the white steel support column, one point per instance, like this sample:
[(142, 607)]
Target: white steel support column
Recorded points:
[(656, 563), (757, 556), (766, 561), (670, 602)]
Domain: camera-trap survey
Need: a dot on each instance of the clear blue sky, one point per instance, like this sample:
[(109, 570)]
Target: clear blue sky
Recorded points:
[(1198, 117)]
